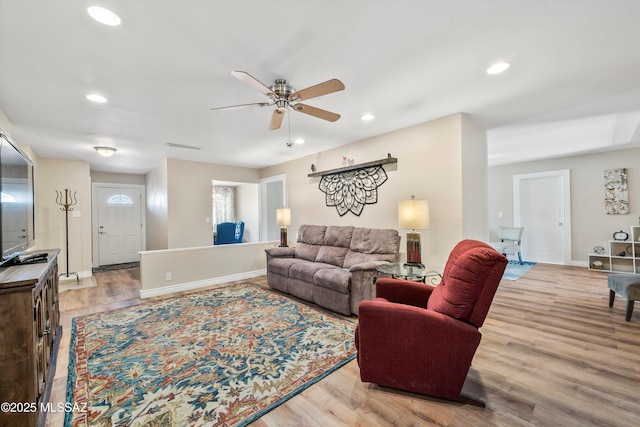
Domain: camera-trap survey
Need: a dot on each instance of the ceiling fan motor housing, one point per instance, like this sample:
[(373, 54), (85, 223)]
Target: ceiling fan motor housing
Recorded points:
[(281, 88)]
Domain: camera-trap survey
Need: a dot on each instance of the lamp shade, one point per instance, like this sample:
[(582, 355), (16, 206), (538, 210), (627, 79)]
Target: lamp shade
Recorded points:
[(413, 214), (284, 216)]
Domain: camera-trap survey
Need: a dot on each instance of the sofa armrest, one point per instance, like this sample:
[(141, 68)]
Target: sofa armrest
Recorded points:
[(280, 253), (362, 287), (370, 265)]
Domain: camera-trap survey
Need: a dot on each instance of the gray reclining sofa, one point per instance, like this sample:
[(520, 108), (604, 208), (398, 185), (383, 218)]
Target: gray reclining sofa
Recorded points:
[(332, 266)]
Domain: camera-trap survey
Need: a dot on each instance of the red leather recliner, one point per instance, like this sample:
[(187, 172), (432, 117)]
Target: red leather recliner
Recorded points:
[(421, 338)]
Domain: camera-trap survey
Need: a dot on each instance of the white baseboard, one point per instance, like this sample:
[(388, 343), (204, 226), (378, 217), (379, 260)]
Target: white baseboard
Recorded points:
[(181, 287)]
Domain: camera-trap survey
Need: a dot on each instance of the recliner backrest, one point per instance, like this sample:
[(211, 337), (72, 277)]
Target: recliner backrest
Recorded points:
[(469, 282)]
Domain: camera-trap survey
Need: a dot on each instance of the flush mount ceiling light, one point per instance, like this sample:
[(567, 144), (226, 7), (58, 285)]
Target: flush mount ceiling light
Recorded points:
[(367, 117), (104, 16), (96, 97), (498, 68), (299, 141), (105, 151)]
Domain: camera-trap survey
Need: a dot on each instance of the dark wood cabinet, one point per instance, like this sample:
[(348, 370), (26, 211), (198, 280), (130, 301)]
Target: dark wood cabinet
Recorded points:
[(30, 334)]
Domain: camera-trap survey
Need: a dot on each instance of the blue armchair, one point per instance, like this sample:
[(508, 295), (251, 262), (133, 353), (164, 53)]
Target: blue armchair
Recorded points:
[(229, 232)]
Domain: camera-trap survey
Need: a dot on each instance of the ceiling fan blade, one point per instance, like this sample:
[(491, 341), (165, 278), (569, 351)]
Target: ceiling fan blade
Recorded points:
[(317, 112), (330, 86), (276, 119), (259, 104), (252, 81)]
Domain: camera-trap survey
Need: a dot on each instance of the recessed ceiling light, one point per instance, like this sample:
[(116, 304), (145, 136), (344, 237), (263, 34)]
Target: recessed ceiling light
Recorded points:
[(299, 141), (498, 68), (367, 116), (105, 151), (104, 16), (96, 97)]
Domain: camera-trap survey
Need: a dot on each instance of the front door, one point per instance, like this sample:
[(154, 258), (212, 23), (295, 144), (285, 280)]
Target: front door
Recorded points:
[(119, 224), (542, 207)]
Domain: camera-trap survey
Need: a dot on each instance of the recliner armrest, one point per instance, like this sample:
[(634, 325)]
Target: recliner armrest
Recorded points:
[(404, 291)]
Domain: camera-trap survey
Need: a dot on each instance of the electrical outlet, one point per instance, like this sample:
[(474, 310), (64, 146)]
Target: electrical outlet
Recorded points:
[(167, 276)]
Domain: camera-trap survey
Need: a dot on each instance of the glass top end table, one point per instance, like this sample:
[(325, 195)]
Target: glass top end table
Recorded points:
[(400, 270)]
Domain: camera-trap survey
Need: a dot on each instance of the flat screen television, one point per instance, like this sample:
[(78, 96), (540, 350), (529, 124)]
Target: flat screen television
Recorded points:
[(17, 201)]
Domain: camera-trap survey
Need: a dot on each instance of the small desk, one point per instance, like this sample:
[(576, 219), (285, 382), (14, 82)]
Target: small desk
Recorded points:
[(398, 270)]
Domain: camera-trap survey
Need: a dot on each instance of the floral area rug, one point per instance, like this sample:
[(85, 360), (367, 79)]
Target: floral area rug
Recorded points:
[(223, 357), (515, 270)]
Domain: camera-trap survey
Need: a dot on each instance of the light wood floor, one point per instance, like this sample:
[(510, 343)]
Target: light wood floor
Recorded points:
[(553, 354)]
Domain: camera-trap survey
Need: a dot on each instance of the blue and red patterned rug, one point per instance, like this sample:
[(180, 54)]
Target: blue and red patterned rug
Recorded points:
[(224, 357)]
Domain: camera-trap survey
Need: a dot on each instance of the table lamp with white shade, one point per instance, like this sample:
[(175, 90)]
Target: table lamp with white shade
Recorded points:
[(413, 215)]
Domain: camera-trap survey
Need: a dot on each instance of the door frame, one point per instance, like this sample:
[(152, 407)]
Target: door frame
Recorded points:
[(263, 201), (95, 231), (564, 176)]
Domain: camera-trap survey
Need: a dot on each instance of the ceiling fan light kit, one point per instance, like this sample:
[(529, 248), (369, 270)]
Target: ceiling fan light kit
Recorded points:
[(283, 96)]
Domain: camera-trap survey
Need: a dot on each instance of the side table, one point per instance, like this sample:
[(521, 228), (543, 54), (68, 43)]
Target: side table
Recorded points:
[(398, 270)]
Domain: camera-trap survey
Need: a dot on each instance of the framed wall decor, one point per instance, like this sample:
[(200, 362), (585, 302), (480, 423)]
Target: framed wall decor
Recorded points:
[(616, 192), (350, 188)]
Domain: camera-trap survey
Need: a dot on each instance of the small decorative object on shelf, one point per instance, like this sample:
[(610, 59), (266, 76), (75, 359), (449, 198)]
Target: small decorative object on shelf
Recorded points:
[(620, 236), (599, 250), (597, 265)]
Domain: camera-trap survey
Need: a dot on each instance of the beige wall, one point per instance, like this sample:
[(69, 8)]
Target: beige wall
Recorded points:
[(248, 210), (189, 199), (192, 268), (52, 175), (157, 210), (117, 178), (475, 219), (5, 124), (591, 226), (434, 159)]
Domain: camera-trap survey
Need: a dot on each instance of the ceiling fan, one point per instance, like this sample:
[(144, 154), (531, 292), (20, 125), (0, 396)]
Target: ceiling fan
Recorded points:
[(283, 96)]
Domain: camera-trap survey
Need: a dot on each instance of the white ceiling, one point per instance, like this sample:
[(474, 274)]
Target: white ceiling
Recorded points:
[(408, 62)]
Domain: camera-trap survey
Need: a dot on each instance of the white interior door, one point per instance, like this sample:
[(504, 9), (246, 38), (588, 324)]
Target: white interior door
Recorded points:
[(542, 207), (119, 224)]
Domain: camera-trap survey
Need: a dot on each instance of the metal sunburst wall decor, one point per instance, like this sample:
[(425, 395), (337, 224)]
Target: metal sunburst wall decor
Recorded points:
[(349, 191)]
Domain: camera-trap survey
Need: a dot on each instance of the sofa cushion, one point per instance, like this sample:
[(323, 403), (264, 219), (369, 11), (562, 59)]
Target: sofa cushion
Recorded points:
[(336, 279), (338, 236), (282, 265), (306, 251), (369, 244), (335, 246), (311, 234), (306, 270), (310, 238), (332, 255), (375, 241)]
